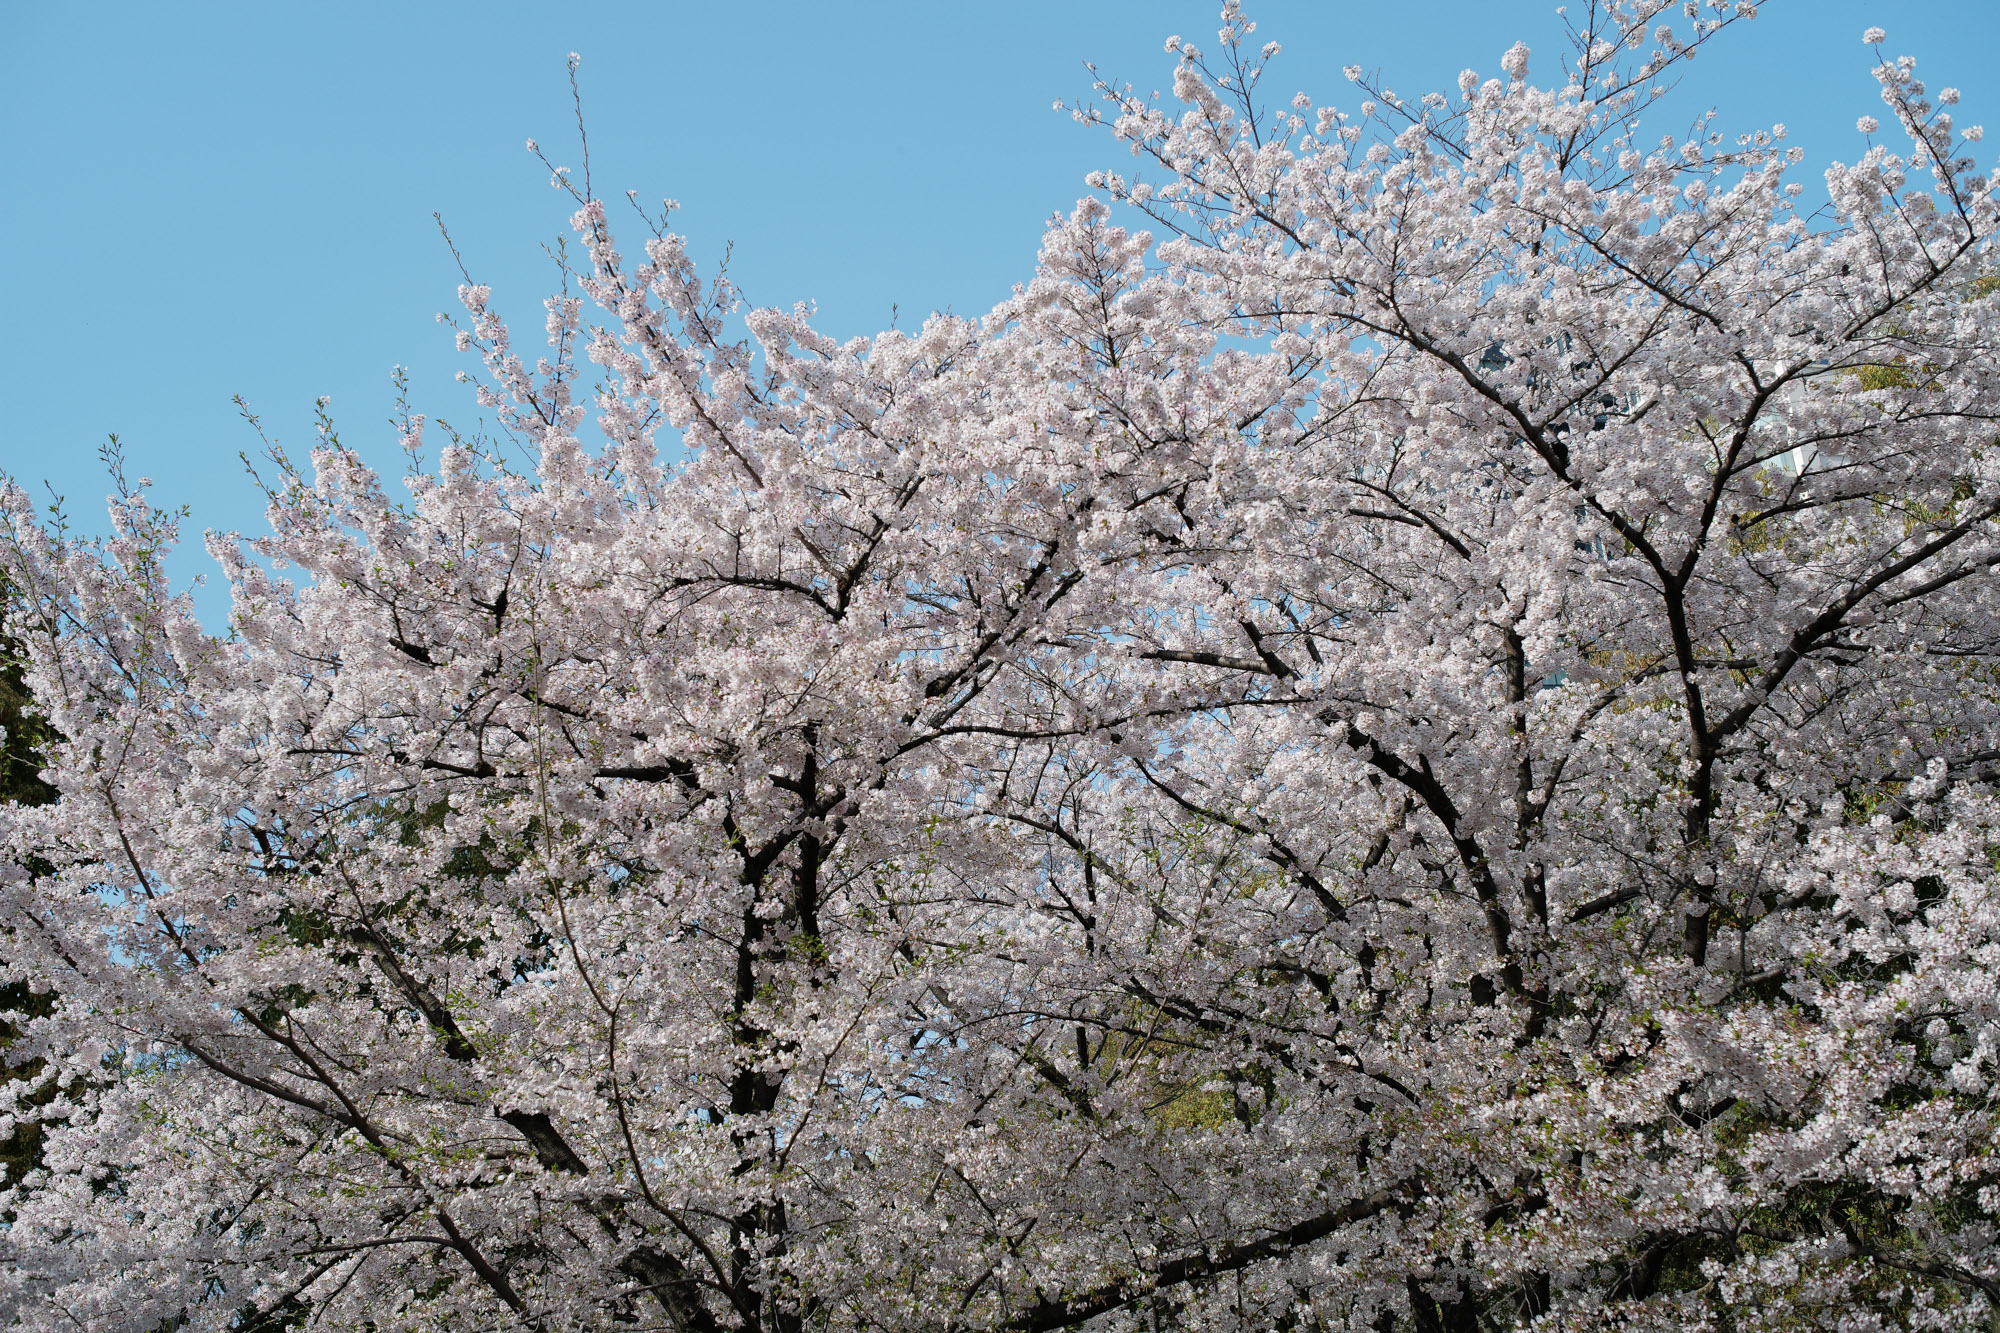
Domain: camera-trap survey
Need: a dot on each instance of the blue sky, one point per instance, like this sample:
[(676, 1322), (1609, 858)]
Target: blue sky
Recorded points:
[(210, 199)]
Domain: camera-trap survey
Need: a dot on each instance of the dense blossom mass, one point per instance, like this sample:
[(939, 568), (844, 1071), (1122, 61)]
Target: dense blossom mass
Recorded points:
[(1413, 749)]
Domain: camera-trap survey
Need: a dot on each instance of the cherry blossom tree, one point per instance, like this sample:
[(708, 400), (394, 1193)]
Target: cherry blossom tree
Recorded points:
[(1412, 749), (20, 762)]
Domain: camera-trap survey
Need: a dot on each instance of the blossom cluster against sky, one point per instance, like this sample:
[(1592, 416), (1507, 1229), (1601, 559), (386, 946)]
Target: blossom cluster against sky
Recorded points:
[(237, 199)]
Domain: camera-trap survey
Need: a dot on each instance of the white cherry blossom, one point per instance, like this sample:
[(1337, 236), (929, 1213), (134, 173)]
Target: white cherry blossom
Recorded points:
[(1413, 746)]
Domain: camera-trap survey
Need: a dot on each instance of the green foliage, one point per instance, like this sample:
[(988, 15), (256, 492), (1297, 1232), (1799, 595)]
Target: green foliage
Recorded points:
[(20, 756), (20, 781)]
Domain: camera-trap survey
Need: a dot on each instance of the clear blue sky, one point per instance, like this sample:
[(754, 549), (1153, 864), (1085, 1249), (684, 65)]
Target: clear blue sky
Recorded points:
[(206, 199)]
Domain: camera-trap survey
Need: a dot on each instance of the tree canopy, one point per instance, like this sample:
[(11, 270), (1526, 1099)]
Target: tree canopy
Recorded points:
[(1409, 749)]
